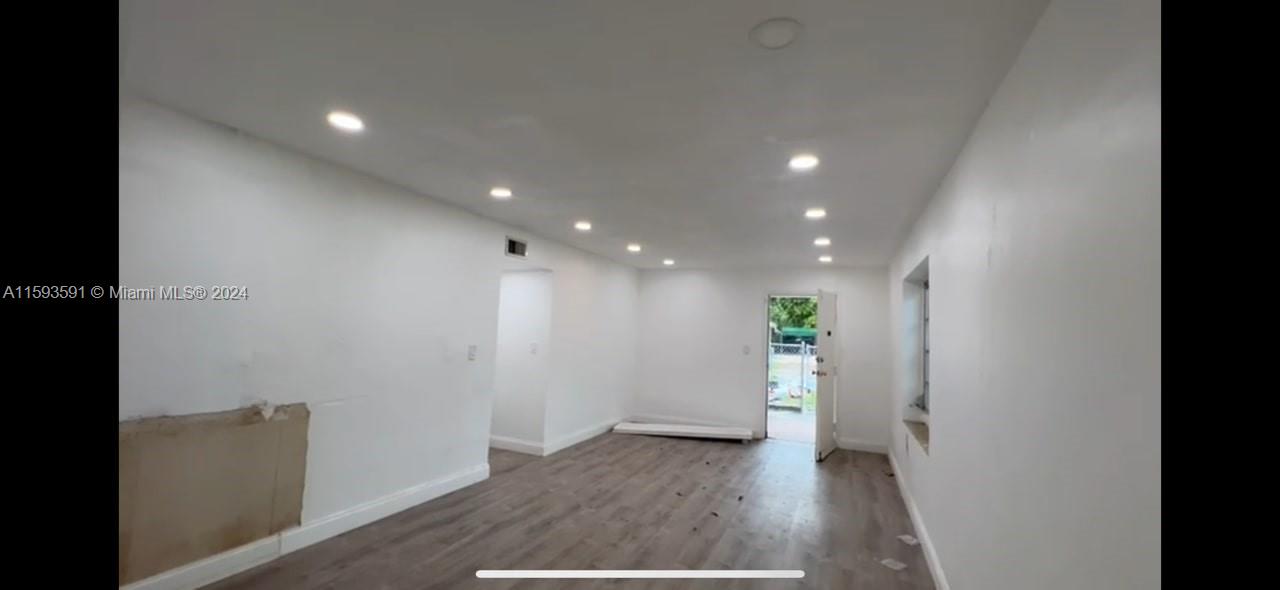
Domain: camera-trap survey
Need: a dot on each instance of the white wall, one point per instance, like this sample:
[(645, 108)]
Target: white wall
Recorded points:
[(695, 323), (522, 364), (594, 327), (592, 353), (1044, 265), (364, 298)]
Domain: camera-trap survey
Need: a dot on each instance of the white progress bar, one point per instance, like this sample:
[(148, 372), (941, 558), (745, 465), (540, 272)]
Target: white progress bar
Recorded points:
[(669, 574)]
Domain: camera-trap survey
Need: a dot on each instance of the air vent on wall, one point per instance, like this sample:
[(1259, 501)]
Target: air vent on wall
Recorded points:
[(516, 248)]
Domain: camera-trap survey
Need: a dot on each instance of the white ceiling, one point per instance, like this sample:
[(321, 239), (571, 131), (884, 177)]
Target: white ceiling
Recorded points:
[(658, 120)]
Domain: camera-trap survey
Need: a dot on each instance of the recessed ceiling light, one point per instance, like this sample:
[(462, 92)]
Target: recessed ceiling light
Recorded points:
[(500, 192), (824, 259), (775, 33), (815, 213), (668, 262), (803, 162), (822, 241), (346, 121), (633, 247), (582, 226)]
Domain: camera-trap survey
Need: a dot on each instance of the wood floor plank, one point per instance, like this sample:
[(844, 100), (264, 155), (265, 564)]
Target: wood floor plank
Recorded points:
[(632, 502)]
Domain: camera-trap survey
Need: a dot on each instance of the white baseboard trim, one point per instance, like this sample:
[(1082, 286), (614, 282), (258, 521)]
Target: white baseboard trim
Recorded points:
[(854, 444), (234, 561), (930, 554), (579, 436), (360, 515), (212, 568), (517, 445), (660, 419)]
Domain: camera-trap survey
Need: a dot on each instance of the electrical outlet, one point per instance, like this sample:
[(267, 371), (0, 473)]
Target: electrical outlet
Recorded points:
[(471, 352)]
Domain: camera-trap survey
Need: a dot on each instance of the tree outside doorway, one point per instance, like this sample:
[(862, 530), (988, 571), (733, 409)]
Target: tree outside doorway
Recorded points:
[(792, 386)]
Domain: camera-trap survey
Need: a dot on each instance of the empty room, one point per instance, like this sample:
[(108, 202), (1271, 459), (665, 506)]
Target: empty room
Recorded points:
[(662, 294)]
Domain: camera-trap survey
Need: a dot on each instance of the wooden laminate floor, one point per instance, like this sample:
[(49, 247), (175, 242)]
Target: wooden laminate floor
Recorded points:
[(632, 502)]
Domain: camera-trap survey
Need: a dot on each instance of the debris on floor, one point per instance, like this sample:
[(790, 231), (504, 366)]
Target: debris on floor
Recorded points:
[(893, 564), (680, 494), (739, 498), (715, 514), (908, 539)]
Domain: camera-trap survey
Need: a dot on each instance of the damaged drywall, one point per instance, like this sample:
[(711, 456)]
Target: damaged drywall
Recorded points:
[(197, 485)]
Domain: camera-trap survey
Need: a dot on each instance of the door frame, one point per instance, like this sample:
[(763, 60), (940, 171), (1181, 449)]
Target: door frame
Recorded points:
[(831, 351), (768, 300)]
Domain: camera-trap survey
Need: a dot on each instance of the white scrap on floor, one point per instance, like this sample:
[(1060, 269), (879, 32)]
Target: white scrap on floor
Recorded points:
[(908, 539), (892, 564), (686, 430)]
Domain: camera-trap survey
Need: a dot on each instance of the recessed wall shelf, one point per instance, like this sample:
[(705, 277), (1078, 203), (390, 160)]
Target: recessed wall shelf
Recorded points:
[(920, 431)]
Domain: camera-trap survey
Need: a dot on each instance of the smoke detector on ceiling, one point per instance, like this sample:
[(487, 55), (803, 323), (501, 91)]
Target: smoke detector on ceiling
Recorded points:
[(776, 33)]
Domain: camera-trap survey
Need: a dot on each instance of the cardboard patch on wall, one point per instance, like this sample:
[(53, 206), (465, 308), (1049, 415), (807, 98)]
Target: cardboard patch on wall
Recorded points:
[(195, 486)]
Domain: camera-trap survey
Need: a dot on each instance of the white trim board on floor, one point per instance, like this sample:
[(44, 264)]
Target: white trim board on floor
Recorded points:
[(231, 562), (659, 419), (686, 430), (930, 555)]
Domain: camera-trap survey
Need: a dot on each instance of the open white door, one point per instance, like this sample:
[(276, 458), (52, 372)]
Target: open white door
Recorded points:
[(826, 368)]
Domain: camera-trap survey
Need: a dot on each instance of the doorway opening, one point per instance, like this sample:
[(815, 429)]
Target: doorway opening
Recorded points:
[(522, 362), (792, 383)]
